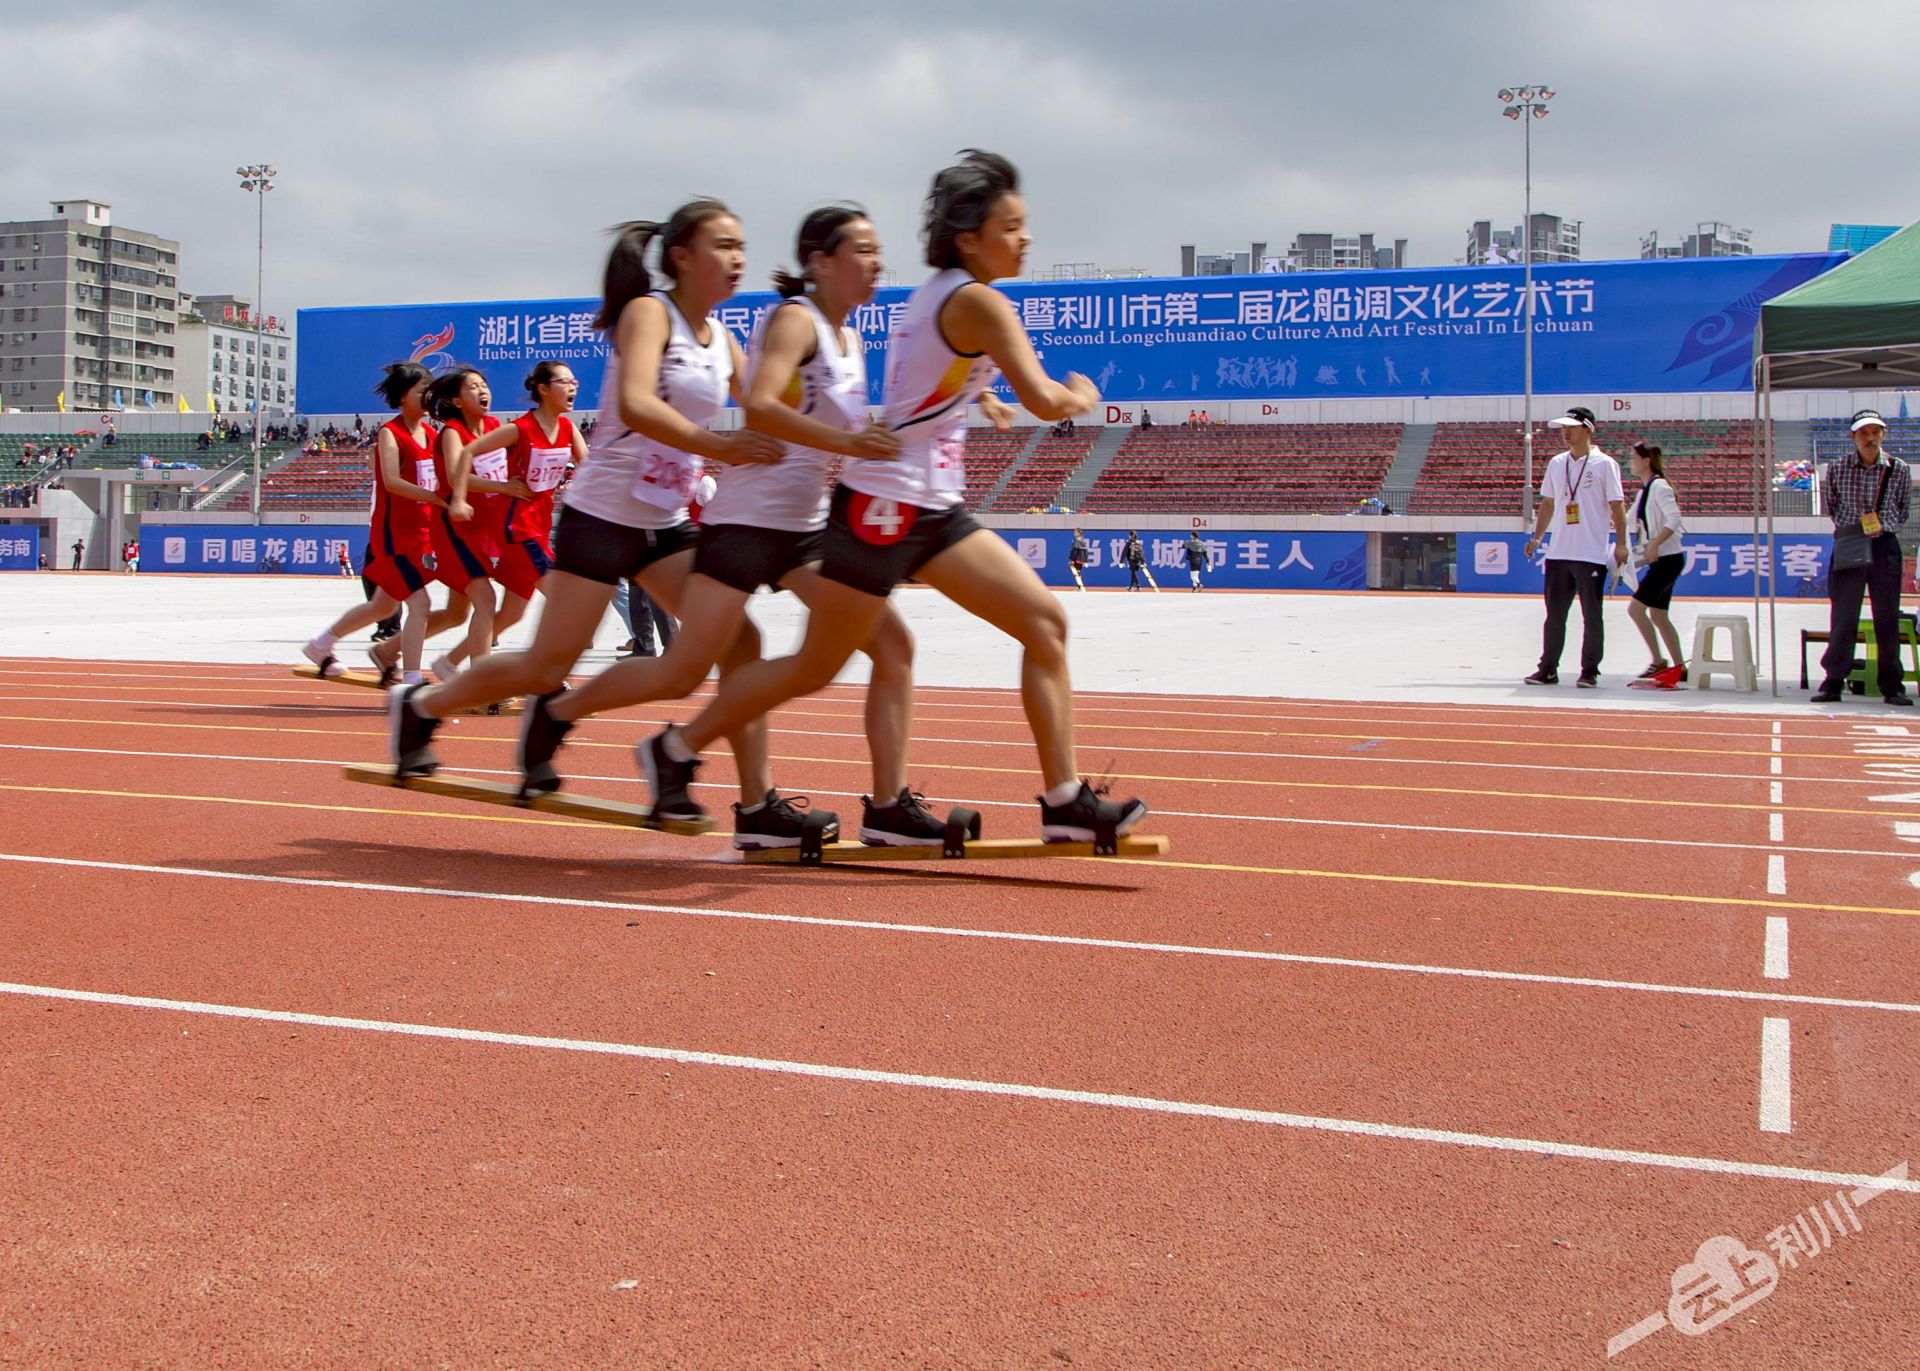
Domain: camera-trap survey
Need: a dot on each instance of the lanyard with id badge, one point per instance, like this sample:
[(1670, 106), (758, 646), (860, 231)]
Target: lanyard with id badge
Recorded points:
[(1573, 486)]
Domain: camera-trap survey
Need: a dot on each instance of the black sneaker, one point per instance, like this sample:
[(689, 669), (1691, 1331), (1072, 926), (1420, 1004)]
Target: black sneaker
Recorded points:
[(1653, 669), (540, 737), (668, 779), (1827, 694), (1541, 677), (1589, 680), (1898, 697), (1073, 822), (411, 734), (904, 823), (778, 823)]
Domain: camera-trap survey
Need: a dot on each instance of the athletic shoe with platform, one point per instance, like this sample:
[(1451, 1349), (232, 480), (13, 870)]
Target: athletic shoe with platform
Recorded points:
[(328, 664), (779, 822), (1075, 821), (904, 823), (668, 779), (411, 734), (540, 737)]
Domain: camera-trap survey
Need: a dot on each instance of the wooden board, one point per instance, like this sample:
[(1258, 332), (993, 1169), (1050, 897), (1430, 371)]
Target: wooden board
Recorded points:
[(981, 849), (496, 793), (367, 680)]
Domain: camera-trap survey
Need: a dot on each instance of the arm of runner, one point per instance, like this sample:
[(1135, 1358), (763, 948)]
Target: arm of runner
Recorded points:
[(450, 454), (996, 411), (503, 437), (978, 319), (641, 340), (784, 348), (387, 454)]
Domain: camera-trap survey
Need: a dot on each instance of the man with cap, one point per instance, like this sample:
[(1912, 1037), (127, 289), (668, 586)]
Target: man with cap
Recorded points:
[(1868, 494), (1579, 495)]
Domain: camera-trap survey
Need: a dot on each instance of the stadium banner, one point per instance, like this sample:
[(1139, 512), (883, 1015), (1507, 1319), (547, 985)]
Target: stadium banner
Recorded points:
[(1719, 565), (1235, 561), (309, 549), (1599, 328), (19, 547)]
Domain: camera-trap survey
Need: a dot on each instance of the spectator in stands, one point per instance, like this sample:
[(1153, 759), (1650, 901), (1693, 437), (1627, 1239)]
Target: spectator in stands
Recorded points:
[(1661, 556), (1193, 418), (1135, 556), (1868, 498), (1579, 494), (1146, 418)]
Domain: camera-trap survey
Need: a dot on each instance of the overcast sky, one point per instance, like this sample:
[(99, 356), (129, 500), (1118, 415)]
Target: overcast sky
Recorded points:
[(478, 151)]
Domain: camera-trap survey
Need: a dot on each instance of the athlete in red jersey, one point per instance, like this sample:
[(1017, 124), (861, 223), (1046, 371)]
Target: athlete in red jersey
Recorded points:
[(401, 536), (540, 446), (468, 534)]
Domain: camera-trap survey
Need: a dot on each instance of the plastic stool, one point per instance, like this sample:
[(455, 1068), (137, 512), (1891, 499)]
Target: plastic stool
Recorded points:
[(1739, 665)]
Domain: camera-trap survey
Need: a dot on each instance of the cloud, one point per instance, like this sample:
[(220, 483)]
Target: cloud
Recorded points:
[(478, 152)]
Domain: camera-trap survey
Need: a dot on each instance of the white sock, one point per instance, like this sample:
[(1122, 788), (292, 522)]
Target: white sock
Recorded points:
[(324, 641), (676, 747), (411, 678), (751, 809), (1063, 792)]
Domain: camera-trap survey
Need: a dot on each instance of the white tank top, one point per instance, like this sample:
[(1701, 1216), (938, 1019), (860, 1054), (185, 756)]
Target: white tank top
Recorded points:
[(629, 478), (929, 387), (830, 388)]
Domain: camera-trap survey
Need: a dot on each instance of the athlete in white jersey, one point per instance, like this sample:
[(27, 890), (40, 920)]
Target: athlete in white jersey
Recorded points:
[(889, 521), (625, 517), (807, 385)]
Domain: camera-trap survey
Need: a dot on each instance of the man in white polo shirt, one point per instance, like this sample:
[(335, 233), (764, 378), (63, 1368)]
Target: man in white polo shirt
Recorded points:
[(1580, 495)]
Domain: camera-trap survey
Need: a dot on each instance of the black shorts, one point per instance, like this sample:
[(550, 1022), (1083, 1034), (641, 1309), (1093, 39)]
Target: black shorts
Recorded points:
[(873, 545), (597, 549), (1655, 590), (746, 557)]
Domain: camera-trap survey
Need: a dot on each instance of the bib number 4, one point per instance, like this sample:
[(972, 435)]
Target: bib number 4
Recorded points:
[(878, 522)]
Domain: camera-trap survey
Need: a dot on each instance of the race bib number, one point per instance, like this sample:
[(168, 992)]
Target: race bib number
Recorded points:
[(426, 475), (547, 467), (491, 466), (947, 462), (878, 522), (667, 478)]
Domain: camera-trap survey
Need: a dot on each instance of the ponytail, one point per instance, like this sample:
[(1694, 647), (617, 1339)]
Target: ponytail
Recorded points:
[(627, 278), (820, 232)]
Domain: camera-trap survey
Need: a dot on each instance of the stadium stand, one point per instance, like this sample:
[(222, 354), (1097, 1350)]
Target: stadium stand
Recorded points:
[(989, 453), (338, 479), (1834, 438), (1036, 484), (1247, 469), (1479, 468)]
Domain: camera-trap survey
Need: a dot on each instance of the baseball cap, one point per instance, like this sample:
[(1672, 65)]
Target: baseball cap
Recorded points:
[(1865, 418), (1579, 416)]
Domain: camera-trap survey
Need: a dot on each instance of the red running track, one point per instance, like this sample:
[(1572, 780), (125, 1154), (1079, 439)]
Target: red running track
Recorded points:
[(1436, 1040)]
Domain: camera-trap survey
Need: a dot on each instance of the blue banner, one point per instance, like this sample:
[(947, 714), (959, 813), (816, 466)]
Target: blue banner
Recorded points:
[(1236, 561), (307, 549), (1599, 328), (1719, 565), (19, 547)]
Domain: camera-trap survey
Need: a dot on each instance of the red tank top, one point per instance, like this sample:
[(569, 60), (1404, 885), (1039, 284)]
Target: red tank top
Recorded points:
[(542, 464), (399, 524), (489, 511)]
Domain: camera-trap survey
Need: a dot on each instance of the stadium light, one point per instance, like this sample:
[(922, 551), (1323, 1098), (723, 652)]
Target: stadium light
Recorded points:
[(257, 177), (1531, 100)]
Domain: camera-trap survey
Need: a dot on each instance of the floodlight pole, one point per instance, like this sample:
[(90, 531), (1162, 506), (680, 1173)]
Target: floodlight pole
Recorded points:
[(1527, 103), (258, 177)]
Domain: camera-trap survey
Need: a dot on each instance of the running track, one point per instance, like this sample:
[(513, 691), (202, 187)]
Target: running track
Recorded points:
[(1442, 1037)]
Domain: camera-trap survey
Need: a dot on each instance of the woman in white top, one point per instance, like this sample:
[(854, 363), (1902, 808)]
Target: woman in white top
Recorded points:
[(1661, 555), (807, 386), (626, 510), (903, 517)]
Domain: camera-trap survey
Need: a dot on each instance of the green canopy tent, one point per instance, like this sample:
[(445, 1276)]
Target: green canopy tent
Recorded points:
[(1855, 328)]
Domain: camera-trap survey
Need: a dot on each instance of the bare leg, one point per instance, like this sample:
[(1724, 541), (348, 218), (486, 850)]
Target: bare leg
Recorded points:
[(1638, 613), (667, 582), (362, 615), (712, 614), (513, 609), (889, 709), (413, 629), (1671, 635), (985, 577), (479, 639), (575, 607)]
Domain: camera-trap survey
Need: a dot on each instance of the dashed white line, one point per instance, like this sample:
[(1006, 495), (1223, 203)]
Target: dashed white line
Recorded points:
[(1774, 955), (1774, 793), (1776, 874), (1776, 1076), (1776, 827), (1773, 765)]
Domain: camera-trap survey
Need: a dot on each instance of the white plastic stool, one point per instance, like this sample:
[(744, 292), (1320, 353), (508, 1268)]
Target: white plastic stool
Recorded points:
[(1739, 665)]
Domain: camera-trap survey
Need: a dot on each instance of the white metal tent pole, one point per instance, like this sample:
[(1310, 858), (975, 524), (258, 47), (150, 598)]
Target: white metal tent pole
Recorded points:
[(1765, 394)]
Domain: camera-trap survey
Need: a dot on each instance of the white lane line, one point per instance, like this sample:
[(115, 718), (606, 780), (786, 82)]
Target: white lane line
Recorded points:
[(1537, 835), (1774, 956), (1774, 792), (1776, 827), (1776, 744), (989, 935), (1773, 765), (1776, 727), (1776, 1076), (1776, 874), (1720, 1166)]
